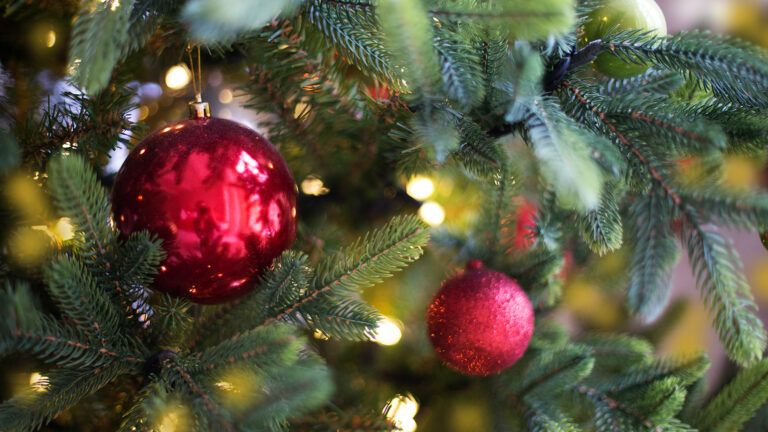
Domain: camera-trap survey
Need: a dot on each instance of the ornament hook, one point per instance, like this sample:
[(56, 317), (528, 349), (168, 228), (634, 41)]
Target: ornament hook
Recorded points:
[(197, 108)]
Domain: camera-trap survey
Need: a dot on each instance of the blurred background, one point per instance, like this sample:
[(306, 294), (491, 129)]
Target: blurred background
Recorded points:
[(400, 367)]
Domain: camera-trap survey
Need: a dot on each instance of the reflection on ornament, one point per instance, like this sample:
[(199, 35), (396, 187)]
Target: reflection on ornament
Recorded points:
[(432, 213), (420, 188), (178, 76), (387, 332), (401, 411), (313, 186), (38, 382)]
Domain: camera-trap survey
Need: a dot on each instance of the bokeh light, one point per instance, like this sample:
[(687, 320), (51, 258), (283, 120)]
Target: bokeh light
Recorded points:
[(401, 410), (432, 213), (313, 186), (178, 77), (38, 382), (387, 332), (226, 96), (420, 188), (50, 39)]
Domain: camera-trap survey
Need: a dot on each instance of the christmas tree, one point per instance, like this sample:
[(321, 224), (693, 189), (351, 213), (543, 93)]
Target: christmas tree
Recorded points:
[(199, 289)]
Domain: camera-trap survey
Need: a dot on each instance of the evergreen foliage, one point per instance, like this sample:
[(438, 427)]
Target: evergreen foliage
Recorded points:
[(482, 86)]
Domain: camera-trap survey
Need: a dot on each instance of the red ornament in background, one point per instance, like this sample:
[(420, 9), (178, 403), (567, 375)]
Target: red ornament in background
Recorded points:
[(525, 228), (221, 198), (481, 321), (379, 92)]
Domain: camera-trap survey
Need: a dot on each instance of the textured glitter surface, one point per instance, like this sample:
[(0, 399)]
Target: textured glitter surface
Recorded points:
[(480, 321), (219, 195)]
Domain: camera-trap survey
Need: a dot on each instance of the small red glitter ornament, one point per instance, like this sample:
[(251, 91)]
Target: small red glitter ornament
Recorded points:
[(220, 197), (481, 321)]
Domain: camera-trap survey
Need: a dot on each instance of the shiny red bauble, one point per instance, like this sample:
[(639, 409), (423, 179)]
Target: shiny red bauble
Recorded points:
[(220, 197), (481, 321)]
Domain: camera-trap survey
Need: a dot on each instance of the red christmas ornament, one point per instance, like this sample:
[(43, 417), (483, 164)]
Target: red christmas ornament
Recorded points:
[(480, 321), (379, 92), (221, 198)]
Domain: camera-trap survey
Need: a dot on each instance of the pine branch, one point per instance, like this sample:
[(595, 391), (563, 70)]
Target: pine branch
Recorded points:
[(478, 153), (745, 210), (73, 289), (654, 255), (459, 67), (521, 20), (734, 71), (735, 404), (725, 290), (541, 418), (297, 390), (211, 23), (653, 82), (601, 228), (617, 353), (551, 373), (99, 36), (562, 150), (363, 264), (267, 348), (79, 196), (179, 378), (26, 330), (356, 33), (408, 35), (64, 388), (716, 267)]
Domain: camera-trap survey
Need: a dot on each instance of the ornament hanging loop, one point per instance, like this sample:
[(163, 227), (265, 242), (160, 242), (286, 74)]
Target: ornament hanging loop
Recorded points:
[(197, 108)]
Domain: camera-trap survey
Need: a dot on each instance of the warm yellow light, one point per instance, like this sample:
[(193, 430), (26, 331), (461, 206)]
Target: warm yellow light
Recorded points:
[(178, 77), (50, 39), (170, 422), (313, 186), (432, 213), (320, 335), (225, 385), (420, 188), (401, 410), (387, 332), (300, 109), (38, 382), (237, 389), (407, 425), (226, 96), (63, 230), (143, 112)]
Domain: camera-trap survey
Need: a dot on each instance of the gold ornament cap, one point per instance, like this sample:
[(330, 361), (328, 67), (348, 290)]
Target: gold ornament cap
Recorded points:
[(199, 110)]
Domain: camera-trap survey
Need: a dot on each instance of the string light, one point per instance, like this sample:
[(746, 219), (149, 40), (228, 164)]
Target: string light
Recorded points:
[(387, 332), (313, 186), (401, 411), (420, 188), (320, 335), (432, 213), (38, 382), (178, 77), (50, 39)]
